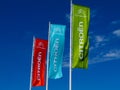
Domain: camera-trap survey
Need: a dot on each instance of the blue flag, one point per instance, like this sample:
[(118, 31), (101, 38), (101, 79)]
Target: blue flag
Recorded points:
[(56, 48)]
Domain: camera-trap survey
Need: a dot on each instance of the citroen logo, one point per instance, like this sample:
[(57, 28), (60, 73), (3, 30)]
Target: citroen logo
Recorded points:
[(81, 13), (41, 45)]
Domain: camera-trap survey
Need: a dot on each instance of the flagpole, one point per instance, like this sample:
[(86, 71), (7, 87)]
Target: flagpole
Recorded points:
[(48, 58), (30, 88), (70, 68)]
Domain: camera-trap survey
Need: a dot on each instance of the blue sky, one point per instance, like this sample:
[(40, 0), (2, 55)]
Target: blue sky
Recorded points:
[(21, 19)]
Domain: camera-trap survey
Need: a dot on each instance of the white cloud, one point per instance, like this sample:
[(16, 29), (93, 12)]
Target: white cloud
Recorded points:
[(110, 55), (117, 32), (91, 33), (100, 60), (67, 17), (93, 13), (100, 41), (113, 54), (99, 38), (116, 22), (65, 64), (91, 48), (65, 61)]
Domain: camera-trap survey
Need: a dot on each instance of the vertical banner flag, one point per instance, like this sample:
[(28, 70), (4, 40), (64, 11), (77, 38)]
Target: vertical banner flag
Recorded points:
[(56, 48), (80, 40), (39, 60)]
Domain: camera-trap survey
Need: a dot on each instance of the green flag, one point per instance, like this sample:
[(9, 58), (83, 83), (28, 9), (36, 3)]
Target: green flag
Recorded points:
[(80, 40)]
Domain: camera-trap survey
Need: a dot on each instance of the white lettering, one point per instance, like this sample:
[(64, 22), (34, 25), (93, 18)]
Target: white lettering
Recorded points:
[(56, 54), (39, 64), (81, 40)]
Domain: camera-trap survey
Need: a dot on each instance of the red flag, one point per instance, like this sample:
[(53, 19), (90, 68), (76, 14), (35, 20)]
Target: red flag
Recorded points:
[(39, 59)]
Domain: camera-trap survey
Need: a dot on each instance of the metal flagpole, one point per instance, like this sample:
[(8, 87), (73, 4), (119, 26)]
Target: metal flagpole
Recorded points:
[(70, 68), (30, 88), (48, 58)]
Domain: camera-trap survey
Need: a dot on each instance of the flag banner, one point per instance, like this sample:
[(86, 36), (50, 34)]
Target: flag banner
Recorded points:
[(80, 40), (39, 60), (56, 48)]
